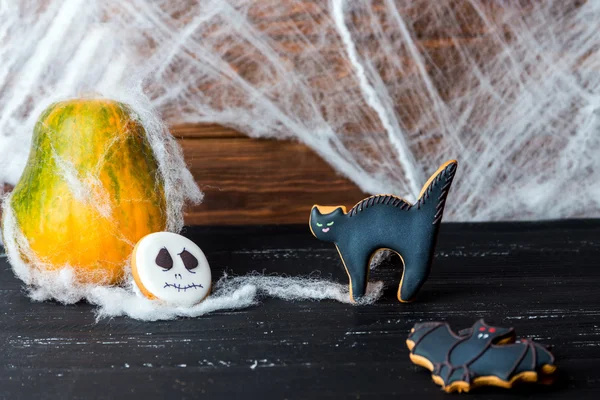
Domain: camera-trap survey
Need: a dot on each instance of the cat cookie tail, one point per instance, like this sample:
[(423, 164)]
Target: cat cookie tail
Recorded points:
[(433, 195)]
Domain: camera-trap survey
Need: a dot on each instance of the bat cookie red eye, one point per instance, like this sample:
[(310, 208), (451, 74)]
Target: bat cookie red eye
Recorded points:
[(492, 330), (482, 329)]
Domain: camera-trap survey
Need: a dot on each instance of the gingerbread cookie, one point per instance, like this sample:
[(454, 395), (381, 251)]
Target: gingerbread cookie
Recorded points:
[(480, 356), (387, 222), (170, 267)]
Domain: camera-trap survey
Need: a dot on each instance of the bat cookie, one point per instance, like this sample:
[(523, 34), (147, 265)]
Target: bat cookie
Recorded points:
[(387, 222), (171, 268), (479, 356)]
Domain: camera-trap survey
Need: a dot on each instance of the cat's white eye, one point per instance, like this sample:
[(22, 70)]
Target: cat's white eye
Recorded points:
[(331, 223), (318, 224)]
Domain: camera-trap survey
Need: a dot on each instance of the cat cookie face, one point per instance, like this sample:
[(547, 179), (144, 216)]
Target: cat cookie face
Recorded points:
[(325, 222), (171, 268)]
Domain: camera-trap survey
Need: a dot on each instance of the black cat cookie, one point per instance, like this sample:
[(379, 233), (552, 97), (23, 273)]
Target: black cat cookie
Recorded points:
[(479, 356), (387, 222)]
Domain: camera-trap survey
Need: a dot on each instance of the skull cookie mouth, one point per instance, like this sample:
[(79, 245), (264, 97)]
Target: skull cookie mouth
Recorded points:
[(180, 287)]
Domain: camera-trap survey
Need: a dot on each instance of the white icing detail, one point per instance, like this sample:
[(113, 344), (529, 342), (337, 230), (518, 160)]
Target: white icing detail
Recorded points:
[(177, 286)]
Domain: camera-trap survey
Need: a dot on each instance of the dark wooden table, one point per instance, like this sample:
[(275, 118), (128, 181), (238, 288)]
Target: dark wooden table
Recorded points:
[(541, 278)]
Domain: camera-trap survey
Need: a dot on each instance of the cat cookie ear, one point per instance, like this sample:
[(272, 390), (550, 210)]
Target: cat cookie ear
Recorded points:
[(322, 210), (315, 210)]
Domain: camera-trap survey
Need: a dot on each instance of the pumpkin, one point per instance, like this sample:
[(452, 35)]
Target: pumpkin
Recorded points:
[(90, 190)]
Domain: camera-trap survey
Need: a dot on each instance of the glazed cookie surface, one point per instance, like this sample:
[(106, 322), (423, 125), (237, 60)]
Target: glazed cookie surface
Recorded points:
[(171, 268), (387, 222), (480, 356)]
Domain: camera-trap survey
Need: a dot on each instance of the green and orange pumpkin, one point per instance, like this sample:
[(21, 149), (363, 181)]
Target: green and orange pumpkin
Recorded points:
[(91, 189)]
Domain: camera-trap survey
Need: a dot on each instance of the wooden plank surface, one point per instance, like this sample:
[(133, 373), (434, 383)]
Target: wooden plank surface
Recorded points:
[(540, 278)]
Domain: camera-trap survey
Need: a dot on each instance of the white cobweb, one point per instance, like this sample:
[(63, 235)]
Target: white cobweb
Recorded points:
[(384, 91)]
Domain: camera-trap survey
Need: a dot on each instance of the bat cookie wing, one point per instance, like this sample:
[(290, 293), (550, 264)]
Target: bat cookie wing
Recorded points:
[(480, 356)]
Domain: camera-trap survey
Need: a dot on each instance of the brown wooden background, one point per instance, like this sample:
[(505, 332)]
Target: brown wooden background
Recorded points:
[(254, 181)]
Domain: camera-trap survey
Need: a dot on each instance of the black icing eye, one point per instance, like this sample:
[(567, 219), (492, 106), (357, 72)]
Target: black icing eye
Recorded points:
[(189, 260), (163, 259)]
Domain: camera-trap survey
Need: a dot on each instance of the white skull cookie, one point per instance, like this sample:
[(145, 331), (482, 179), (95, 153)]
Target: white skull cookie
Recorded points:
[(171, 268)]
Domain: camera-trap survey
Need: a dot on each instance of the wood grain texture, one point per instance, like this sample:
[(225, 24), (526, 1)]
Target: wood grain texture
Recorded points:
[(540, 278), (254, 181), (204, 131)]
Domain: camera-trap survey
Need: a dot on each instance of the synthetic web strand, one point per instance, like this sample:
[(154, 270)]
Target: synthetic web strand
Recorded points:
[(228, 294), (397, 139), (384, 91)]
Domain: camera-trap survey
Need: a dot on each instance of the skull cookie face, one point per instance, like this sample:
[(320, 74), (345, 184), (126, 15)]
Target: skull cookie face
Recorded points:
[(171, 268)]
